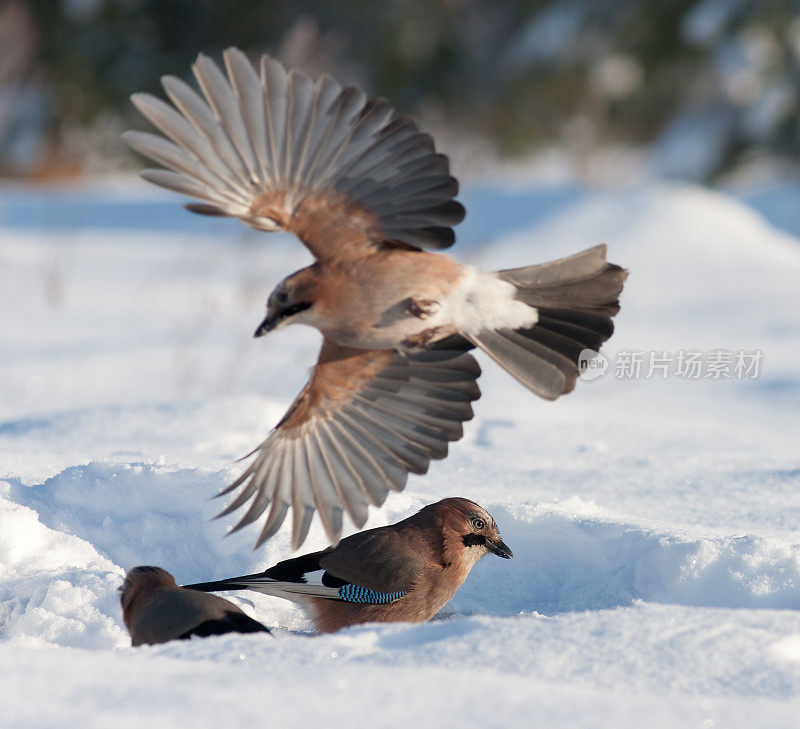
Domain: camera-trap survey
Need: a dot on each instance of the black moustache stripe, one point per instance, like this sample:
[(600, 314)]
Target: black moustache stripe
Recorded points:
[(296, 309), (473, 540)]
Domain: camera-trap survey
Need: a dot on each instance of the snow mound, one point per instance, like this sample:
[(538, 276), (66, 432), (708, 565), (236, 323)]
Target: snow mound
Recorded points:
[(654, 522), (54, 588), (570, 562)]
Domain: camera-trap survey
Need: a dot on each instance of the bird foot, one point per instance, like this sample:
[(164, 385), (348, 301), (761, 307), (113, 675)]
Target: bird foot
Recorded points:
[(421, 339), (422, 308)]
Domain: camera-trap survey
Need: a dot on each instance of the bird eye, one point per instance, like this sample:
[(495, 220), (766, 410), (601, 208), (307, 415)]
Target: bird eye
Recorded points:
[(478, 523), (282, 297)]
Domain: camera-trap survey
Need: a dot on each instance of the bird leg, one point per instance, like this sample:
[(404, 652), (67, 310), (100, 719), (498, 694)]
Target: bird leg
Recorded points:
[(421, 339), (422, 308)]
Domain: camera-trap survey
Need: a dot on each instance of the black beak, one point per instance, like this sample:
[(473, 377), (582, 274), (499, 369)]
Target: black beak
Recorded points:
[(266, 326), (500, 548)]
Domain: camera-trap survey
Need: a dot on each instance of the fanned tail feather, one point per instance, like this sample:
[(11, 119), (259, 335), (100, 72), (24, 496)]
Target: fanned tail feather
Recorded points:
[(576, 298)]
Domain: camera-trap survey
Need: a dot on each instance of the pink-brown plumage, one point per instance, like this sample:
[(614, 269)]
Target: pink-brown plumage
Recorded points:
[(155, 610), (424, 559), (367, 194)]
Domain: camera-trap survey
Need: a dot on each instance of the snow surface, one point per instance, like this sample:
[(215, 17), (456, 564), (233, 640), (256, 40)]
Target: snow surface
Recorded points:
[(654, 522)]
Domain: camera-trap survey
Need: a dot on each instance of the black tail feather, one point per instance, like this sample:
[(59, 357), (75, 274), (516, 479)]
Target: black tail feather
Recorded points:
[(576, 298), (290, 570), (217, 585), (598, 293), (232, 623), (295, 569), (592, 330)]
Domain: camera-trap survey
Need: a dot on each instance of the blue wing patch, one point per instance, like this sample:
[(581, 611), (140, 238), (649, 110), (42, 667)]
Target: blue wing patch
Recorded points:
[(354, 593)]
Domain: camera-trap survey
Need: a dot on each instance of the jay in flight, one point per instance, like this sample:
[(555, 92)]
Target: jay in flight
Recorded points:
[(369, 196), (156, 610), (404, 572)]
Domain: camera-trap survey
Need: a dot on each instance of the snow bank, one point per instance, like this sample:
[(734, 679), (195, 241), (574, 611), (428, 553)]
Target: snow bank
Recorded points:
[(54, 588), (656, 578)]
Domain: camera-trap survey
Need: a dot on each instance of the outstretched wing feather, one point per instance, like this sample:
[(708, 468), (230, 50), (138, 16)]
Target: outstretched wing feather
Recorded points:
[(365, 421), (275, 149)]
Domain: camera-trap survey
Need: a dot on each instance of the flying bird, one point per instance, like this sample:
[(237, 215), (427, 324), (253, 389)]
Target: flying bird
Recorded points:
[(156, 610), (368, 195), (404, 572)]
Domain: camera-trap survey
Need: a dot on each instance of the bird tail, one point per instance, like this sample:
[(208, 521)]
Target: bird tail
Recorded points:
[(231, 622), (294, 591), (576, 298)]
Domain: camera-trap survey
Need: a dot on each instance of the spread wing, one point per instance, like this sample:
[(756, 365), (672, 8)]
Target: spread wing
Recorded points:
[(365, 420), (279, 151)]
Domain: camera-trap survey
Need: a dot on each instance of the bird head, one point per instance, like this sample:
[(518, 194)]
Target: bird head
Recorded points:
[(143, 578), (291, 302), (475, 527)]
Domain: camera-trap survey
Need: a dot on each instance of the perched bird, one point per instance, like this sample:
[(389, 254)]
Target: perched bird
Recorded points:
[(156, 610), (404, 572), (366, 193)]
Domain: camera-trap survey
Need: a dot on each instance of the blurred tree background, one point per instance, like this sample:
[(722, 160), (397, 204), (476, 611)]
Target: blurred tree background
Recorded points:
[(710, 86)]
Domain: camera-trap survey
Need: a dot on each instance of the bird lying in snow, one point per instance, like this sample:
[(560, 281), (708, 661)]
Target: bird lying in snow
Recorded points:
[(156, 610), (404, 572), (366, 193)]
